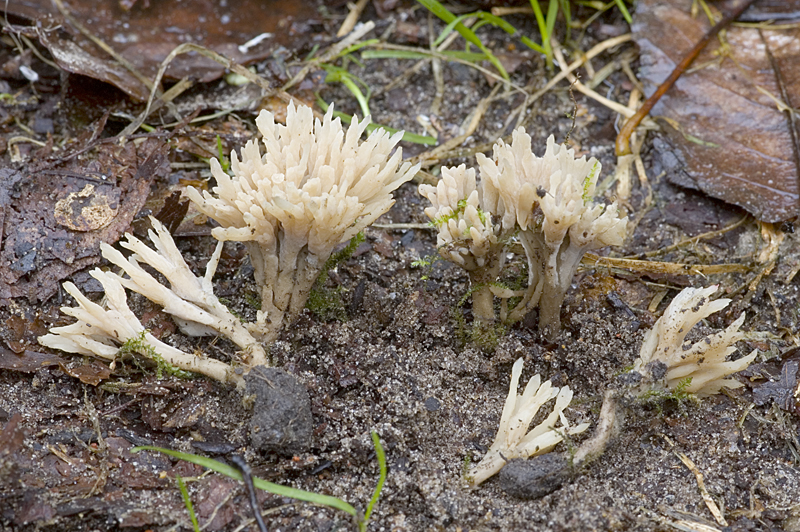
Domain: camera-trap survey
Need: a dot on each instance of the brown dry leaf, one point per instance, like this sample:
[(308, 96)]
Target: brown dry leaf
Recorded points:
[(734, 143), (91, 373), (52, 227), (32, 361), (27, 361), (146, 32)]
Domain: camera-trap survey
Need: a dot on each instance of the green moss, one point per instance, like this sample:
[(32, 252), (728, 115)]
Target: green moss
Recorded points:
[(465, 466), (587, 183), (484, 336), (427, 263), (327, 303), (139, 345), (461, 206), (679, 395), (252, 300)]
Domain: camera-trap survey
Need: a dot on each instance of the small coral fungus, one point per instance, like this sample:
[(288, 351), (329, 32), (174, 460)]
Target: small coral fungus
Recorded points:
[(514, 440), (545, 202), (701, 366)]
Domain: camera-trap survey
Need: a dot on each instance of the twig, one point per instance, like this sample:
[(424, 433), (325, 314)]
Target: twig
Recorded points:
[(623, 139), (662, 268), (247, 477), (614, 106), (352, 17), (594, 51), (693, 240), (701, 485)]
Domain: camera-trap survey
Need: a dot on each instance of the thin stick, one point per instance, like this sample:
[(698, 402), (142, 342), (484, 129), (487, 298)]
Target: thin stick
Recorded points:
[(102, 45), (693, 240), (352, 17), (594, 51), (614, 106), (623, 139)]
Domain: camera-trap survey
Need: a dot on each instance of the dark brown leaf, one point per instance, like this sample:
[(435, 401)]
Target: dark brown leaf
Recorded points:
[(54, 218), (734, 143), (28, 361), (145, 34), (92, 373), (173, 212)]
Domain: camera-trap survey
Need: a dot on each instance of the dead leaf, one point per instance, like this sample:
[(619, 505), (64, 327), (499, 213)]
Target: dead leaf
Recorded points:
[(145, 33), (92, 373), (91, 208), (28, 361), (55, 215), (733, 142)]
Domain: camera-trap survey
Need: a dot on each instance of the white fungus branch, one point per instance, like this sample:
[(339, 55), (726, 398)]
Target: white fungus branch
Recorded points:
[(548, 198), (314, 187), (545, 201), (102, 331), (704, 362), (466, 235), (190, 299), (513, 439)]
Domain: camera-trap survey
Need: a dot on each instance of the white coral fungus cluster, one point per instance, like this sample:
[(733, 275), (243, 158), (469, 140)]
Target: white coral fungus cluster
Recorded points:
[(100, 331), (546, 201), (466, 235), (704, 362), (314, 187), (514, 440)]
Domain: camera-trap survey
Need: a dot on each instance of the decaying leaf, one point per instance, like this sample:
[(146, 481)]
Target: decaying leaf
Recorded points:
[(91, 208), (29, 361), (54, 217), (732, 142), (144, 33)]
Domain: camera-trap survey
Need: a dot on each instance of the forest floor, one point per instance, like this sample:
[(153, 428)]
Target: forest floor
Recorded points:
[(395, 359)]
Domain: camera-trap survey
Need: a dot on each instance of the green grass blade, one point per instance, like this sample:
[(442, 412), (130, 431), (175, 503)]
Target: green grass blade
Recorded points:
[(623, 8), (394, 54), (443, 13), (552, 14), (472, 57), (355, 47), (497, 22), (450, 26), (343, 76), (408, 137), (277, 489), (532, 45), (188, 502), (537, 12), (376, 441), (486, 18)]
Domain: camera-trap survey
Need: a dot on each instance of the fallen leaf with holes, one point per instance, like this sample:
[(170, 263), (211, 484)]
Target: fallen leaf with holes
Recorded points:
[(725, 134), (55, 215)]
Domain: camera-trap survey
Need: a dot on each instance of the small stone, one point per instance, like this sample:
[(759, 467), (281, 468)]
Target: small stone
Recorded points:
[(535, 478), (281, 419), (432, 404)]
